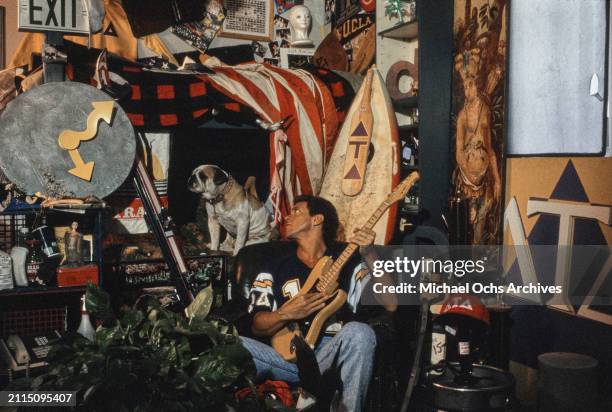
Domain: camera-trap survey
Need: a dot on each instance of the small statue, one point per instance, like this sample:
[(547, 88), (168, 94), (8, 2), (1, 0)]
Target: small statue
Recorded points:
[(73, 246), (299, 22)]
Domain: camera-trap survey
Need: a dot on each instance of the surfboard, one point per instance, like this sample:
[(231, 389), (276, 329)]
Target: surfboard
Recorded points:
[(382, 171)]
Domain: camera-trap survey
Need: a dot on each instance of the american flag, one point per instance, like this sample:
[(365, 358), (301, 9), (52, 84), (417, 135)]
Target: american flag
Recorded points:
[(310, 105)]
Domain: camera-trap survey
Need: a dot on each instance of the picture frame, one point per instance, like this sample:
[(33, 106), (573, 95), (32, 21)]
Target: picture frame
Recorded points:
[(249, 19), (2, 37), (295, 58)]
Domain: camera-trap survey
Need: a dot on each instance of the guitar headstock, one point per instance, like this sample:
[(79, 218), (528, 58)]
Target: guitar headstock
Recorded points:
[(403, 187)]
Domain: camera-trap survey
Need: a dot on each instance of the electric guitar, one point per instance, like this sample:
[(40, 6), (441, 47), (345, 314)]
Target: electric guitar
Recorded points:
[(324, 278)]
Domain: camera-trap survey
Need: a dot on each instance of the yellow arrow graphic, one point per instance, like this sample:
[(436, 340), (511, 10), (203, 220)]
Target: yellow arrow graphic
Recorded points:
[(71, 139), (81, 170)]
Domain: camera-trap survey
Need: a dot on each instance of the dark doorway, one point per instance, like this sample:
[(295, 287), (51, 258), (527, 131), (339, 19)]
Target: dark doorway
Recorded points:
[(242, 152)]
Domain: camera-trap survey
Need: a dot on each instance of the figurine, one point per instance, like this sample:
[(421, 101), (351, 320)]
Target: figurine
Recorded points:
[(73, 244), (299, 22)]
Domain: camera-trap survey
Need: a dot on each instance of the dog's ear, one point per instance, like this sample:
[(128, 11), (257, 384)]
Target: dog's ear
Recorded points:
[(220, 177)]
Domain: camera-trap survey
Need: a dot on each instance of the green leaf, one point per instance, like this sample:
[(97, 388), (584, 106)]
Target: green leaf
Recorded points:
[(131, 318), (97, 303), (200, 307), (147, 303), (222, 366), (119, 372)]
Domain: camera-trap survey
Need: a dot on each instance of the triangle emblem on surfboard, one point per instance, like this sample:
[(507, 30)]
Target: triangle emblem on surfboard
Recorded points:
[(360, 119), (360, 130), (353, 174)]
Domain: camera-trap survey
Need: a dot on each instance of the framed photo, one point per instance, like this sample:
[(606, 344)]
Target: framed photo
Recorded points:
[(295, 58), (2, 38), (249, 19)]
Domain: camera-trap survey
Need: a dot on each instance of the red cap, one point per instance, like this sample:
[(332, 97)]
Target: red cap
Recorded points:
[(465, 305)]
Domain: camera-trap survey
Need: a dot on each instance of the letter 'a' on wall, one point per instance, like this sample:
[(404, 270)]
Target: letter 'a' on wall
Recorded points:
[(557, 55)]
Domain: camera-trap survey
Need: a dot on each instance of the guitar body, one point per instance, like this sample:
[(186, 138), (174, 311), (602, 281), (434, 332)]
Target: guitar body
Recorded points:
[(281, 341)]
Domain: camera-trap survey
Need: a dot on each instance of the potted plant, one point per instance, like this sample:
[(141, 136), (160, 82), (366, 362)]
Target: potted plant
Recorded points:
[(151, 359)]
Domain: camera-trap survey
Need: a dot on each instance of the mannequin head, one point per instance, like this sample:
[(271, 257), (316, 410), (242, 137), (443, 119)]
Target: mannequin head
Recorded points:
[(300, 21)]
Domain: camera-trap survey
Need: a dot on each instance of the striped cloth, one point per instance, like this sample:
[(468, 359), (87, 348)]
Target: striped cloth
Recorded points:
[(313, 111), (312, 103)]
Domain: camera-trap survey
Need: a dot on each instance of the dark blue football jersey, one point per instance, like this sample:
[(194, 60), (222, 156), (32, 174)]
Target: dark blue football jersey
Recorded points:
[(272, 289)]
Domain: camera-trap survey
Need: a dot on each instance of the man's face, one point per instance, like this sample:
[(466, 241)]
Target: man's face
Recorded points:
[(298, 221)]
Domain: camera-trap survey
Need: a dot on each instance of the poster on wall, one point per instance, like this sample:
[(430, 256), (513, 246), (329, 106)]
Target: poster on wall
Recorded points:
[(128, 210), (344, 9), (295, 58), (479, 100), (330, 8), (569, 206), (248, 19), (283, 5)]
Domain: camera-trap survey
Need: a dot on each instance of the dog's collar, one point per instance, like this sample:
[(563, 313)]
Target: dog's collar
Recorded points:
[(221, 195)]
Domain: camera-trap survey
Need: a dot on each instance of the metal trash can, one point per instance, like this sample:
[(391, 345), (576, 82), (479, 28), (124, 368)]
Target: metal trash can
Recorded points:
[(493, 390), (567, 382)]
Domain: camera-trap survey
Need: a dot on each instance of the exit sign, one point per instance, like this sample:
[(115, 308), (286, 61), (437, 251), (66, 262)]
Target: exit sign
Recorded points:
[(53, 15)]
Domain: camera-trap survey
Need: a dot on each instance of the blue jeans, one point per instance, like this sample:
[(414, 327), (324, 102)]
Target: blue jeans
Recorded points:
[(354, 347)]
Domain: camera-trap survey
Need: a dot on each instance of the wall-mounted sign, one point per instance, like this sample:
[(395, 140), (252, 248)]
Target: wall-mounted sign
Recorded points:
[(53, 15), (353, 26)]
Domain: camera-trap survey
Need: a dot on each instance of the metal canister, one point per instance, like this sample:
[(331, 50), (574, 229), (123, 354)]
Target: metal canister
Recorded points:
[(492, 389)]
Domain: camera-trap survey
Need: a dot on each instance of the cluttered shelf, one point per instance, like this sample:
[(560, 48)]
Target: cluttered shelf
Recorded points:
[(40, 290)]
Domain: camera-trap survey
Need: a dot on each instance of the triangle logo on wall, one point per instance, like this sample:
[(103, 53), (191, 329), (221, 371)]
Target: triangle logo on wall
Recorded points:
[(353, 174), (110, 30)]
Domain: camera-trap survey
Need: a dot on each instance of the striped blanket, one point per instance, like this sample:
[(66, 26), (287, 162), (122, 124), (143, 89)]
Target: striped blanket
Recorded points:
[(312, 106)]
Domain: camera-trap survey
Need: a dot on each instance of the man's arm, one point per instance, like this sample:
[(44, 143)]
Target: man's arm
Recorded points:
[(268, 323)]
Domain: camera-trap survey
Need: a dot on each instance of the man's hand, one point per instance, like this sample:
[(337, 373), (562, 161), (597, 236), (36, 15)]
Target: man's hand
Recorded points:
[(364, 238), (303, 305)]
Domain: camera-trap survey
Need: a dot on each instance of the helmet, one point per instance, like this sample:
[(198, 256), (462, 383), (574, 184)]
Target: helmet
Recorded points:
[(461, 305)]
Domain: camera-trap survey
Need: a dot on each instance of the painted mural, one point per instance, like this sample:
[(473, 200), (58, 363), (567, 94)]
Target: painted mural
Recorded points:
[(478, 112)]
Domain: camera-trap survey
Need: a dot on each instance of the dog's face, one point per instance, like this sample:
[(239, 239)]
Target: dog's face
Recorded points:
[(206, 180)]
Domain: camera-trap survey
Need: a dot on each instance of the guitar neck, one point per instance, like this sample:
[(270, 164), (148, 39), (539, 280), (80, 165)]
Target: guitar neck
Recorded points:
[(334, 271), (398, 193)]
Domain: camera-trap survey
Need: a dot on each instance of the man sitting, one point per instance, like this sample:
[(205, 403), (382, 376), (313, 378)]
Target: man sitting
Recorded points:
[(313, 224)]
